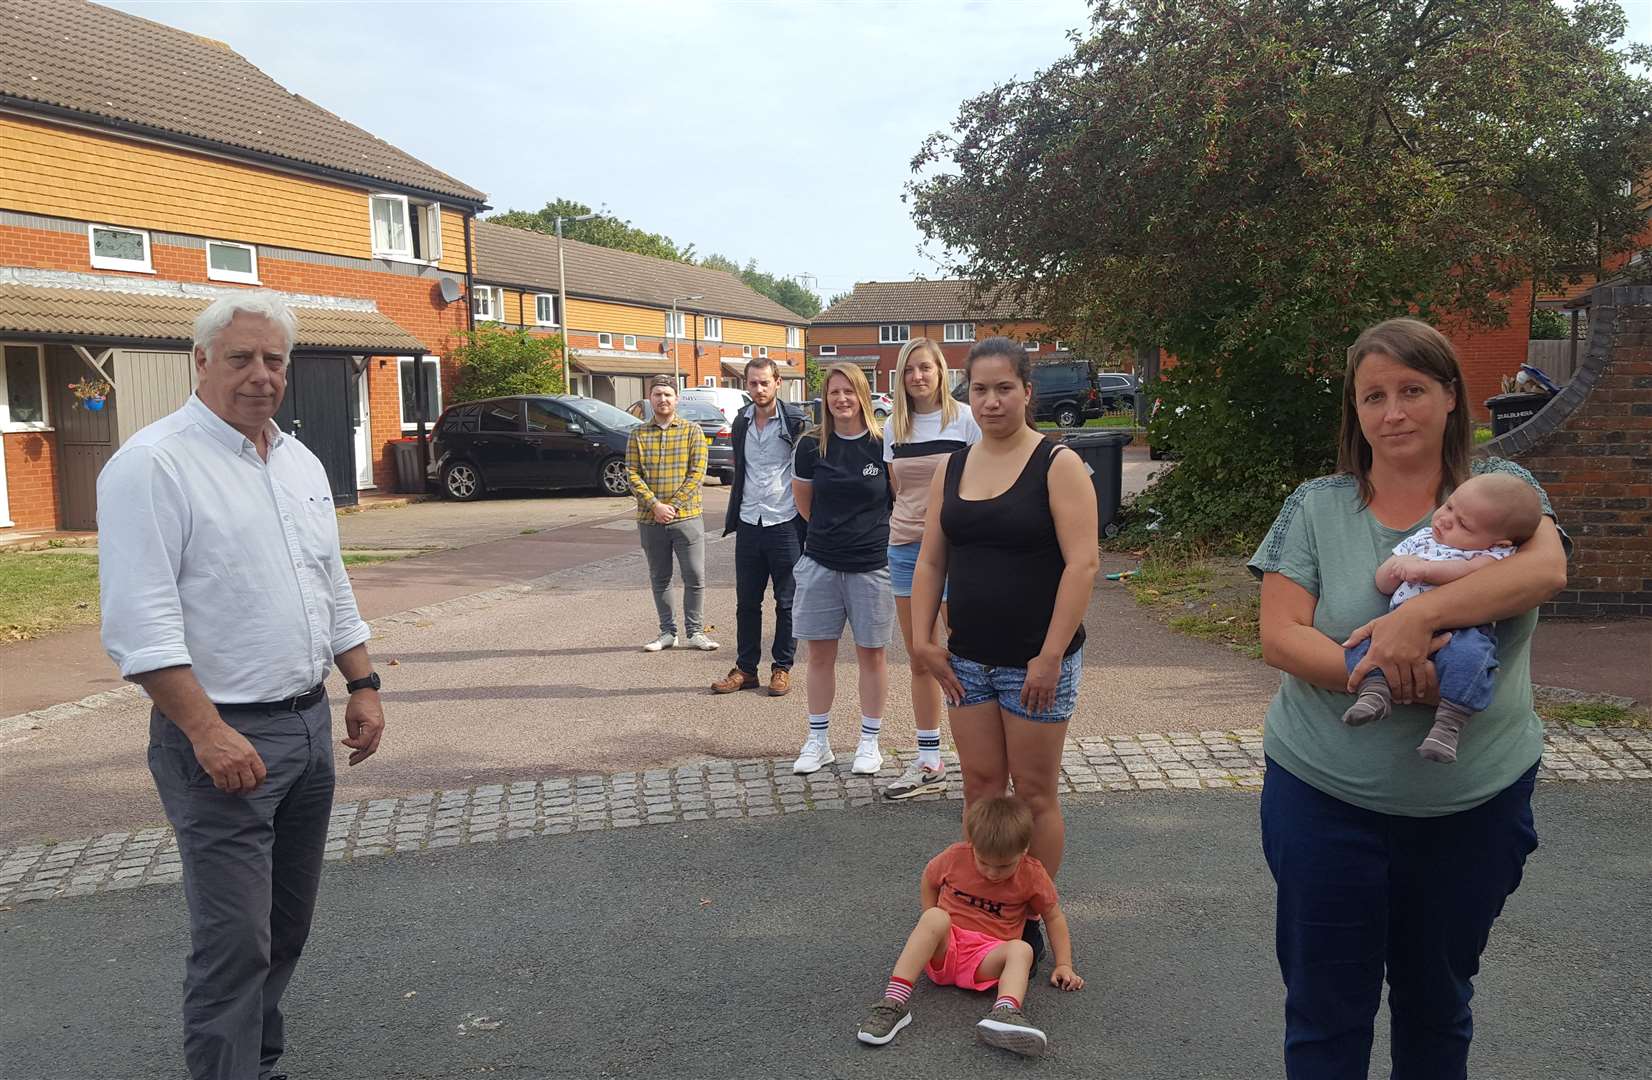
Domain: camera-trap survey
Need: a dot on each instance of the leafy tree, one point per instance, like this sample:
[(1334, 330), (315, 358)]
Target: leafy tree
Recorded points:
[(1550, 325), (1249, 183), (606, 231), (783, 291), (495, 361), (836, 297)]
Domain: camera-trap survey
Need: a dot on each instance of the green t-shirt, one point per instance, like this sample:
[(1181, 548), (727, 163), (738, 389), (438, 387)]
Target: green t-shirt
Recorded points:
[(1325, 541)]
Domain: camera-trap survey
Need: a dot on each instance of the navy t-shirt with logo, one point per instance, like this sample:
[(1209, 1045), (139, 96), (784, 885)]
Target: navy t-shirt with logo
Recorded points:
[(849, 518)]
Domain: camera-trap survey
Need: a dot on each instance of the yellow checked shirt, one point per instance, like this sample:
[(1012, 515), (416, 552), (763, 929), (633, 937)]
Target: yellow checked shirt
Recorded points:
[(670, 460)]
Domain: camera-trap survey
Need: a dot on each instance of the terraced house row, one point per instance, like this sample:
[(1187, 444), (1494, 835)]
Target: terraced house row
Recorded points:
[(135, 189)]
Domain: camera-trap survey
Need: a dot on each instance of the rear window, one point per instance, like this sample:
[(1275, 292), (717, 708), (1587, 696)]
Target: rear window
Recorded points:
[(460, 419), (699, 411)]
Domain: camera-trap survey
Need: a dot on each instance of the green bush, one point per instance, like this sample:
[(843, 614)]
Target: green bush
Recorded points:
[(495, 361), (1549, 325)]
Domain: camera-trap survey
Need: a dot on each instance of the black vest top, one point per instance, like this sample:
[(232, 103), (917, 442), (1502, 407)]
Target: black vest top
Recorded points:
[(1004, 566)]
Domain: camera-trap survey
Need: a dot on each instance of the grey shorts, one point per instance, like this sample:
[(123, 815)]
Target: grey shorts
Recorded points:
[(826, 599)]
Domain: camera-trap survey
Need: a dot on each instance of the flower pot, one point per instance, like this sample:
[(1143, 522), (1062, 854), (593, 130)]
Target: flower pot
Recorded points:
[(94, 403)]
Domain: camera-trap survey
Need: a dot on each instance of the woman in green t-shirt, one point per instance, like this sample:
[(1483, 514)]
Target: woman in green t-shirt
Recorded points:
[(1388, 863)]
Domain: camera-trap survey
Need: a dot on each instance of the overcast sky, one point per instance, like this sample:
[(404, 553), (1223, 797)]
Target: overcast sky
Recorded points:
[(777, 131)]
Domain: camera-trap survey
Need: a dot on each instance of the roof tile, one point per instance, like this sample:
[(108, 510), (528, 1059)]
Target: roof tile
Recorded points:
[(928, 301)]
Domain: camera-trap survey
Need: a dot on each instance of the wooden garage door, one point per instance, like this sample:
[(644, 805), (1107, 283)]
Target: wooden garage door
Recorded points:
[(152, 385)]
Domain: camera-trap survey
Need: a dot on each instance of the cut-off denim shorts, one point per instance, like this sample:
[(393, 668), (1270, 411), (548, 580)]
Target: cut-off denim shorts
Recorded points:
[(982, 684), (903, 566)]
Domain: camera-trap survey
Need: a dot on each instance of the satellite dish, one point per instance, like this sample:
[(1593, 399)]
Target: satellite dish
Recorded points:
[(450, 289)]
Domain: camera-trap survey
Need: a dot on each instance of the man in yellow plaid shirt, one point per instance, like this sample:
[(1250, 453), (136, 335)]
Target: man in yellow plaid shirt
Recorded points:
[(665, 462)]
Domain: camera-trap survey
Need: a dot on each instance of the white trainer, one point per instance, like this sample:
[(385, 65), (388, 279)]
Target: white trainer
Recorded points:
[(815, 755), (868, 758), (701, 642), (664, 641)]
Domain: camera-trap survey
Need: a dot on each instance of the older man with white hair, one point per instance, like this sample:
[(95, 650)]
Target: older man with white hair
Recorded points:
[(224, 596)]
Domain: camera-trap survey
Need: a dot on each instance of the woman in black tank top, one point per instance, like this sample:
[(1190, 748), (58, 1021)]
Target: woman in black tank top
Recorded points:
[(1015, 517)]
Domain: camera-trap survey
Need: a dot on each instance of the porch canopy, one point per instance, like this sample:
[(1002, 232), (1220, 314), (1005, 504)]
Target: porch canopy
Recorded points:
[(737, 369), (622, 364), (105, 317)]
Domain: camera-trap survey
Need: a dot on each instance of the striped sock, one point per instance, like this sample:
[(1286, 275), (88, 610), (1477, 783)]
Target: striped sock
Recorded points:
[(899, 989), (870, 726), (1005, 1001), (818, 726), (929, 748)]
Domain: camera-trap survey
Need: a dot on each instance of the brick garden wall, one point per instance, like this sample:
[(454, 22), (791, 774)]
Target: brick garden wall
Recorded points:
[(1591, 448), (31, 480)]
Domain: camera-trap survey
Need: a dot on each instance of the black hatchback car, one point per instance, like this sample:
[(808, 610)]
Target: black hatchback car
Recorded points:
[(529, 441), (719, 433), (1062, 391)]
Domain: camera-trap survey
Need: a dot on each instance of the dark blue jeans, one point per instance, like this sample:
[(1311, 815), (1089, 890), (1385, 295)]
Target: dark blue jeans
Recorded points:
[(1465, 666), (1363, 893), (765, 553)]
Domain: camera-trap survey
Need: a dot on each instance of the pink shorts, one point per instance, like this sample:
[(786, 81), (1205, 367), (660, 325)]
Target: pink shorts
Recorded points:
[(965, 950)]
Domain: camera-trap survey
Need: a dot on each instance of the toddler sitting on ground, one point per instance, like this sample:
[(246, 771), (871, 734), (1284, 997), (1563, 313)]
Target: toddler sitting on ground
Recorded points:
[(977, 897), (1484, 520)]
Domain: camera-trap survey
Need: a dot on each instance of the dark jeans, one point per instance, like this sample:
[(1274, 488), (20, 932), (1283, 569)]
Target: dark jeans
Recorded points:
[(764, 553), (251, 868), (1361, 893)]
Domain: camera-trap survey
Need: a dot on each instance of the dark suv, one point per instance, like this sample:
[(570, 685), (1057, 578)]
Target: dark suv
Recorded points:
[(1062, 392), (1117, 390), (530, 441)]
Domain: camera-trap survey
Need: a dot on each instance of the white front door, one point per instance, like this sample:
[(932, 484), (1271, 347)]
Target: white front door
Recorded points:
[(364, 434)]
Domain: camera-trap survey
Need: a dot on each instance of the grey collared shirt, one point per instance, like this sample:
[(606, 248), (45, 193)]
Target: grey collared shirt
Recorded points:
[(767, 496)]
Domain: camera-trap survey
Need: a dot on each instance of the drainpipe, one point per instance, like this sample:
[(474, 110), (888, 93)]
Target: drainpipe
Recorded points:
[(470, 278)]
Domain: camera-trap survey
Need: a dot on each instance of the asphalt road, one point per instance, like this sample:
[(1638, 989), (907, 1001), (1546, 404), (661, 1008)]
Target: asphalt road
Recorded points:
[(742, 949)]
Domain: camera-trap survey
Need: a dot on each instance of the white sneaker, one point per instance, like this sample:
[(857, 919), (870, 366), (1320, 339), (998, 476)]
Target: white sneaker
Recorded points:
[(664, 641), (701, 642), (868, 758), (814, 756)]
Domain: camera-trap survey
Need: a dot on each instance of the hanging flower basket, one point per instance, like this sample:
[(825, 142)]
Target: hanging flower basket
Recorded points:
[(90, 393)]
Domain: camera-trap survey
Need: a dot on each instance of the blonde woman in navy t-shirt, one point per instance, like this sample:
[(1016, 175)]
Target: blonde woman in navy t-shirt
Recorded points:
[(841, 485)]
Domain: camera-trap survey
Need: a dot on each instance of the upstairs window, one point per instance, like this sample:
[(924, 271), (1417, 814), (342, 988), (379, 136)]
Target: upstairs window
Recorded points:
[(674, 324), (114, 248), (630, 342), (487, 302), (745, 351), (1032, 346), (827, 350), (794, 337), (958, 331), (763, 352), (544, 310), (406, 228), (893, 333), (232, 262), (605, 341), (714, 328)]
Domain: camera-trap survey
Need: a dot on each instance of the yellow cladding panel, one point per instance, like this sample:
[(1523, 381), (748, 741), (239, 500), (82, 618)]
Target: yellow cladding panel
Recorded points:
[(63, 172), (596, 316), (741, 332), (516, 309)]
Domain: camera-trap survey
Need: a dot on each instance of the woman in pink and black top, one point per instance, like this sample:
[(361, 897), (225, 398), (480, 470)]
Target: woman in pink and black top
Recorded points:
[(927, 426)]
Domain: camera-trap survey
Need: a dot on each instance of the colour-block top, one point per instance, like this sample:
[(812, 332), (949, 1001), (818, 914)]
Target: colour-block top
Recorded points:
[(1331, 545), (998, 908), (914, 462), (849, 515), (1423, 545)]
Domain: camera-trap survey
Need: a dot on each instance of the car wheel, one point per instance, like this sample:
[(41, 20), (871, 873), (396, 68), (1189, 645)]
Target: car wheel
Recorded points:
[(613, 477), (1110, 530), (462, 482), (727, 477), (1067, 416)]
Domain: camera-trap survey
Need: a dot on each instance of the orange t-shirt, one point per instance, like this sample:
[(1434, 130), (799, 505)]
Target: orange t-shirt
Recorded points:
[(998, 908)]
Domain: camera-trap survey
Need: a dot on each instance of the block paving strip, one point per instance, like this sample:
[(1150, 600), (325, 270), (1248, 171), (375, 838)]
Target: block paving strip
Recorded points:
[(752, 788)]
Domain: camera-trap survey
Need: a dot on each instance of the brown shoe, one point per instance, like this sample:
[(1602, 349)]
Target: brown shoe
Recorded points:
[(734, 680), (780, 682)]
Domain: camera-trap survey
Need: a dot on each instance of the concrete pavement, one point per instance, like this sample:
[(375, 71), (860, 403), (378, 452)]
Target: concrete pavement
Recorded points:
[(751, 949)]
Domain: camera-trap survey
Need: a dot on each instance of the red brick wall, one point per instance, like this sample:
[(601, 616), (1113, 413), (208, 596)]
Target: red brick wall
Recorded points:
[(1488, 354), (862, 340), (31, 479), (413, 303)]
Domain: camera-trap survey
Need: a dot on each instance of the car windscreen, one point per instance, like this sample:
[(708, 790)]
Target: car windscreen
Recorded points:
[(602, 412), (701, 412)]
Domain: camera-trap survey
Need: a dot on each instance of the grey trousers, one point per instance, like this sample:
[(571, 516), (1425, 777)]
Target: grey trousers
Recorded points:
[(687, 539), (251, 868)]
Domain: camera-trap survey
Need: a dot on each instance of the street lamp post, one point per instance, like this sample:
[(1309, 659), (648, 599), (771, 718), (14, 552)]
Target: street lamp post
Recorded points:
[(562, 289), (676, 365)]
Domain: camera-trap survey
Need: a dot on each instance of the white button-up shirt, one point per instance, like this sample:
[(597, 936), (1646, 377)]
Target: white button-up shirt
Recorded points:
[(766, 498), (211, 557)]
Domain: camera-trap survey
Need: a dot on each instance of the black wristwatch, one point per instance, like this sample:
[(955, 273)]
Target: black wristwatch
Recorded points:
[(370, 681)]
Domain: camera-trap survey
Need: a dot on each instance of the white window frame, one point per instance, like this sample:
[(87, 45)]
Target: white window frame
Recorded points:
[(605, 340), (413, 424), (762, 352), (373, 231), (552, 298), (215, 274), (1059, 345), (827, 350), (496, 303), (794, 337), (104, 262), (429, 226), (682, 322), (745, 352), (714, 328), (894, 333), (958, 331), (45, 421), (630, 342), (709, 380), (1032, 346)]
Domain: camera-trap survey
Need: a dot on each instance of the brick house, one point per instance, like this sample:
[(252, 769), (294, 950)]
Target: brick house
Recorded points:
[(869, 326), (619, 314), (135, 188)]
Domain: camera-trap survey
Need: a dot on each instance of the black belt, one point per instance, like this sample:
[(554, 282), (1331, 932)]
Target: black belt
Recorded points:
[(293, 704)]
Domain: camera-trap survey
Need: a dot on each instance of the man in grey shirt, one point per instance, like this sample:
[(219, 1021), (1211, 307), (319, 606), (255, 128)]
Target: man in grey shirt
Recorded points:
[(768, 530)]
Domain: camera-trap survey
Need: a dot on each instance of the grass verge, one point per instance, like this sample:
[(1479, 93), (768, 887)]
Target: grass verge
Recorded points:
[(1112, 420), (1591, 714), (1205, 596)]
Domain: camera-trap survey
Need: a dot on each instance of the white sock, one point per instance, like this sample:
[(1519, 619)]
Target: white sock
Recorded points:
[(869, 728), (929, 748), (817, 728)]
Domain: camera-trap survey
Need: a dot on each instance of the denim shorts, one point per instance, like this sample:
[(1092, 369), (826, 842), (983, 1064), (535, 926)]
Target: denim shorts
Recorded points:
[(982, 684), (828, 599), (903, 565)]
